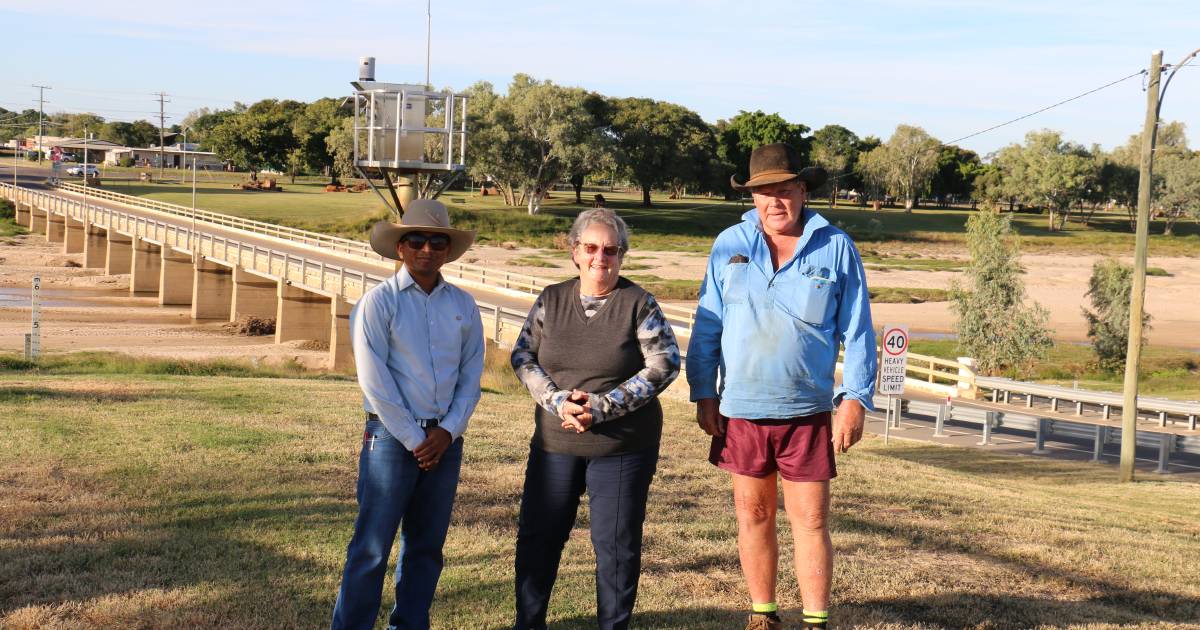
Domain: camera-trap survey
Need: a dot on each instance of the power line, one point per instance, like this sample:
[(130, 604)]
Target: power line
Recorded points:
[(1047, 108)]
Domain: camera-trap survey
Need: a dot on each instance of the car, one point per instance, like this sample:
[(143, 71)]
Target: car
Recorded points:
[(77, 171)]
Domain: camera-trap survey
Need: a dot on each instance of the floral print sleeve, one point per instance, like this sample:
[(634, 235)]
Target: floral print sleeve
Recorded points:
[(524, 362), (661, 355)]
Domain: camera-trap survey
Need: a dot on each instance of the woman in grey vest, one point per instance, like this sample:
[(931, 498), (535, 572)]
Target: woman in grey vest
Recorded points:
[(595, 352)]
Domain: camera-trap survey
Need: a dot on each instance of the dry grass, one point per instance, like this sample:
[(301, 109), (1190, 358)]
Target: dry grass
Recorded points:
[(168, 501)]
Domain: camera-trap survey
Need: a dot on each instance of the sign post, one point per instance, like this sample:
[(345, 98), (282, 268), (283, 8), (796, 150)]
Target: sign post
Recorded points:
[(35, 304), (893, 363)]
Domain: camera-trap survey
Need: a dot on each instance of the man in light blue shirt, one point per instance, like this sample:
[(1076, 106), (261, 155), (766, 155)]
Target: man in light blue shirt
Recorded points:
[(783, 290), (418, 349)]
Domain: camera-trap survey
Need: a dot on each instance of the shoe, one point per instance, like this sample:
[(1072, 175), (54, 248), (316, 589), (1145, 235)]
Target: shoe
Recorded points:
[(760, 621)]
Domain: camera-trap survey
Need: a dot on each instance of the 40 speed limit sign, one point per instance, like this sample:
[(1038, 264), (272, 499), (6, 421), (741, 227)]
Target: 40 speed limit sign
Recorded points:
[(893, 360)]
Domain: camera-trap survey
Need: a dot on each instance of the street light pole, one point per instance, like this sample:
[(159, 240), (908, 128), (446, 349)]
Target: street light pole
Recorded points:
[(192, 234), (1137, 297)]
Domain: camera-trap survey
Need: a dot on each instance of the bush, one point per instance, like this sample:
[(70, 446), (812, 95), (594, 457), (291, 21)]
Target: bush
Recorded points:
[(125, 161), (1108, 322), (7, 210), (31, 156)]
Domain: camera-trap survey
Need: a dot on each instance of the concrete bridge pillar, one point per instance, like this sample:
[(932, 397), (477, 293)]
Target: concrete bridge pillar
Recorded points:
[(22, 213), (212, 290), (76, 232), (175, 277), (118, 254), (341, 354), (37, 219), (95, 246), (56, 227), (301, 314), (146, 268), (253, 296)]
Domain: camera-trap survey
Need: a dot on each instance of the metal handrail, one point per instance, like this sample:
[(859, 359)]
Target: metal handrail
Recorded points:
[(1160, 406)]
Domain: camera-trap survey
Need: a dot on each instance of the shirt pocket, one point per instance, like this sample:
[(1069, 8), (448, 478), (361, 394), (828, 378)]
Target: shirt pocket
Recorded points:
[(809, 294), (734, 283)]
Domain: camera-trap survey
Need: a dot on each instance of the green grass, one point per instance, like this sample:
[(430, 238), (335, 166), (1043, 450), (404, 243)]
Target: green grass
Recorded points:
[(164, 501), (907, 295), (1166, 372), (665, 289), (1157, 271), (687, 224), (8, 220), (532, 261), (100, 363)]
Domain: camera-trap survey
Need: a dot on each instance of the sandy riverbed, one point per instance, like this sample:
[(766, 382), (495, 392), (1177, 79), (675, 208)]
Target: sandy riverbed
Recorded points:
[(1056, 281)]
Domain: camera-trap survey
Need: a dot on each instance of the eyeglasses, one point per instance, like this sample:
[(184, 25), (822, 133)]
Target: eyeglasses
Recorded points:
[(609, 250), (417, 240)]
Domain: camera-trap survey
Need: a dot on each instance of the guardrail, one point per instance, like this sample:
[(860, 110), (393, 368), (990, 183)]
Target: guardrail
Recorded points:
[(508, 280), (1003, 388)]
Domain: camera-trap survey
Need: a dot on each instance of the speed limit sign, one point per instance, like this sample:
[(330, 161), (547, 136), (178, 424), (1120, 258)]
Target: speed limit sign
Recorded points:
[(893, 360)]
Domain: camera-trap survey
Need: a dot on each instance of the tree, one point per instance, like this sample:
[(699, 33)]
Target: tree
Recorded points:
[(903, 165), (1108, 323), (311, 130), (995, 326), (340, 146), (1047, 171), (594, 151), (954, 174), (260, 137), (834, 148), (740, 135), (139, 133), (661, 143)]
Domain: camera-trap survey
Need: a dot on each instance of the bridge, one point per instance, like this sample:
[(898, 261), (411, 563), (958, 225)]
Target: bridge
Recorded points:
[(226, 268)]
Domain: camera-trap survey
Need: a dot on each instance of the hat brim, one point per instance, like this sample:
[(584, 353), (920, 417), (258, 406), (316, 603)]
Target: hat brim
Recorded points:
[(385, 237), (813, 177)]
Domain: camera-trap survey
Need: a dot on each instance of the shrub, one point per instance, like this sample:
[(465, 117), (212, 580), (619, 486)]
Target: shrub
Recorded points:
[(1108, 322)]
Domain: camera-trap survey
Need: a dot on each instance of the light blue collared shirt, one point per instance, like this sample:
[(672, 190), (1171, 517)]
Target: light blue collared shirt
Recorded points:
[(418, 356), (774, 335)]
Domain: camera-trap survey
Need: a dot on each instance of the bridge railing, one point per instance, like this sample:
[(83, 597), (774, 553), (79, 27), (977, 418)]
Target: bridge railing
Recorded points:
[(1003, 388)]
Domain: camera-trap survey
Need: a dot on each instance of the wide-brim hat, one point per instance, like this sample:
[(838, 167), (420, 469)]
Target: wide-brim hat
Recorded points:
[(421, 215), (774, 163)]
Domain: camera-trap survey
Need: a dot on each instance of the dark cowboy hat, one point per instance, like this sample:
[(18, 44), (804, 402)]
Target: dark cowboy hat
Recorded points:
[(774, 163), (421, 215)]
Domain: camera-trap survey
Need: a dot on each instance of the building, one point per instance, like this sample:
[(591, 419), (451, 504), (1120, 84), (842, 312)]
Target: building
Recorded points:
[(174, 156)]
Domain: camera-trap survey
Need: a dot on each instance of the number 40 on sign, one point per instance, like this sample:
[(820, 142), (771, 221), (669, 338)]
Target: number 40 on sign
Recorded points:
[(893, 360)]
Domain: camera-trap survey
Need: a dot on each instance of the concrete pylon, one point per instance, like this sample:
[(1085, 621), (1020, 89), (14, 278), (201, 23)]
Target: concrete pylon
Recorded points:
[(146, 268), (56, 227), (95, 247), (118, 253), (73, 241), (301, 314), (22, 213), (212, 290), (175, 278), (341, 353), (37, 220), (253, 296)]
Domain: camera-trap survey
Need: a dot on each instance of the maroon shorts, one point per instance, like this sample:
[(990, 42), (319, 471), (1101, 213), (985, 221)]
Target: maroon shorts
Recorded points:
[(800, 449)]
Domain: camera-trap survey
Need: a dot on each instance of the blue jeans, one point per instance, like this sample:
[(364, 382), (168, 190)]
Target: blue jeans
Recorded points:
[(617, 487), (394, 493)]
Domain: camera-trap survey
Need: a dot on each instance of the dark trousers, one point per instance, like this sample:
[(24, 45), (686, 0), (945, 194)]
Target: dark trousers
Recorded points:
[(617, 487), (395, 494)]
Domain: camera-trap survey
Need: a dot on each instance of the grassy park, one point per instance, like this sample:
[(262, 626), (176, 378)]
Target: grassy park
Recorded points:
[(162, 499), (687, 224)]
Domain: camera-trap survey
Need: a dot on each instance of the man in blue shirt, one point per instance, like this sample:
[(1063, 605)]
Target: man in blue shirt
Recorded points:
[(783, 290), (418, 349)]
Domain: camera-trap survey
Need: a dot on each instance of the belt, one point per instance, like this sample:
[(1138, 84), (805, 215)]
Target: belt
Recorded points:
[(423, 423)]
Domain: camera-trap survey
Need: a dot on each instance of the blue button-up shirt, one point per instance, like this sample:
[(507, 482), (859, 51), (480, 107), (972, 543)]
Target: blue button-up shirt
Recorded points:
[(418, 356), (774, 336)]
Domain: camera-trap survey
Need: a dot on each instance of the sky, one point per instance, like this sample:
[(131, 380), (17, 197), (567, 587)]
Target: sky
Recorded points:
[(952, 67)]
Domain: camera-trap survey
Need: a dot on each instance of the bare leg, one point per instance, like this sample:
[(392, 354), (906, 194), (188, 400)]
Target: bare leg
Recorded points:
[(755, 501), (807, 505)]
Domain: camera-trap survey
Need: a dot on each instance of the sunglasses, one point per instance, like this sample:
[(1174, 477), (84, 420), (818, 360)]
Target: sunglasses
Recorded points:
[(416, 241), (609, 250)]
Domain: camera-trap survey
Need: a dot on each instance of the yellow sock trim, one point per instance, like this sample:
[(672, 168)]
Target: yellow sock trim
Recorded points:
[(816, 616), (768, 607)]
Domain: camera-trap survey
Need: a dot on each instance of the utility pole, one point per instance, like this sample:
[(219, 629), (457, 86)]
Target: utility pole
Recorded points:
[(428, 39), (162, 133), (1137, 298), (41, 116)]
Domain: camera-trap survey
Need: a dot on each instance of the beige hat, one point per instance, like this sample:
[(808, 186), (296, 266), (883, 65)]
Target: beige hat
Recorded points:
[(421, 215)]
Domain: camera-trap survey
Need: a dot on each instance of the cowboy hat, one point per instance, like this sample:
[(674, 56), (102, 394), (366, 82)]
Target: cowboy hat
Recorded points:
[(774, 163), (421, 215)]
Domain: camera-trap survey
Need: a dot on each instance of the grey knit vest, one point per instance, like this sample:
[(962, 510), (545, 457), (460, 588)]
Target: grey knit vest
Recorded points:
[(594, 355)]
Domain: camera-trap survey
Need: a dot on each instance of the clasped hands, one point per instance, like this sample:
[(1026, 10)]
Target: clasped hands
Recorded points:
[(429, 452), (576, 411)]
